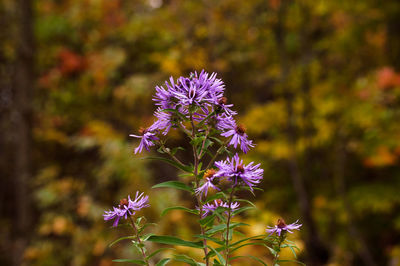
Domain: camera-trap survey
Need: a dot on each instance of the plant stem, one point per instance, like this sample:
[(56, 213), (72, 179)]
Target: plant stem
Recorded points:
[(227, 226), (167, 151), (281, 239), (195, 173), (203, 143), (215, 156), (139, 241)]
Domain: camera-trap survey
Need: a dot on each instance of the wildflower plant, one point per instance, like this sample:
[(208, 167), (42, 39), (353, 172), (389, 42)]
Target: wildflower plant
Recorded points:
[(196, 106)]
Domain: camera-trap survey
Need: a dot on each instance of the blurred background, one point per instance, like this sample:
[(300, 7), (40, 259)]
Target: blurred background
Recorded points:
[(316, 83)]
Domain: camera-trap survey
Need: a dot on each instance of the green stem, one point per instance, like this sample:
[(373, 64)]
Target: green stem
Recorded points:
[(195, 173), (167, 151), (139, 241), (281, 239), (227, 226), (184, 129), (203, 143), (215, 156)]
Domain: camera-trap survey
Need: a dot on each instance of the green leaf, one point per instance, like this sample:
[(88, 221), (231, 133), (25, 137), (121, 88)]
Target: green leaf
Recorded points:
[(296, 261), (163, 262), (218, 195), (174, 241), (215, 240), (249, 256), (171, 162), (186, 259), (221, 259), (158, 251), (248, 244), (222, 227), (207, 221), (141, 262), (174, 150), (183, 117), (179, 208), (245, 239), (174, 184), (273, 251), (247, 201), (146, 237), (120, 239), (242, 210)]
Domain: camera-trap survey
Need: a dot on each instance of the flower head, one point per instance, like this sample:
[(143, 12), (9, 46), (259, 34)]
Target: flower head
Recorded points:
[(147, 139), (127, 207), (211, 181), (238, 133), (211, 207), (239, 173), (281, 226), (163, 122)]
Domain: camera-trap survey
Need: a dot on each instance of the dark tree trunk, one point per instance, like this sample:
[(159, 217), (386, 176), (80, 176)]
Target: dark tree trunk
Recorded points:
[(316, 250), (21, 118)]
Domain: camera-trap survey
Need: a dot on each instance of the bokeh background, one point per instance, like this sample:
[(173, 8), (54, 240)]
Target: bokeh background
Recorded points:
[(316, 83)]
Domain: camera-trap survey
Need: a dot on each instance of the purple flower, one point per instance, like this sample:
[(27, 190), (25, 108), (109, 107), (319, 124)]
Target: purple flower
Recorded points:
[(189, 92), (222, 106), (238, 134), (163, 97), (239, 173), (282, 226), (198, 89), (127, 207), (211, 181), (164, 121), (211, 207), (214, 87), (147, 139)]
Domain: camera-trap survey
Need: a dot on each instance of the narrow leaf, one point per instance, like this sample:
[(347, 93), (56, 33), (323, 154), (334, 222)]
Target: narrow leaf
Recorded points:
[(174, 184), (120, 239), (179, 208), (249, 256), (221, 259), (171, 240), (158, 251), (173, 163), (163, 262), (131, 261)]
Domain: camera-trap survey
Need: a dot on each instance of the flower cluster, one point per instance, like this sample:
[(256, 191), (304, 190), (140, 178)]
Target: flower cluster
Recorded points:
[(127, 207), (235, 172), (211, 207), (198, 97), (196, 105)]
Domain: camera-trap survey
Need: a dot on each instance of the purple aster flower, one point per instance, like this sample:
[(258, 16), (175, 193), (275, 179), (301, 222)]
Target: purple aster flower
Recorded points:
[(211, 207), (237, 172), (147, 139), (214, 86), (189, 92), (238, 134), (165, 98), (164, 121), (127, 207), (222, 106), (211, 182), (282, 226)]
